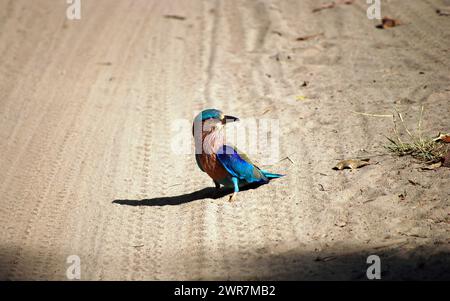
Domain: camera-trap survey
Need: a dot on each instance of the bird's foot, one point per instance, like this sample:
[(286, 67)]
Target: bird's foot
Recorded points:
[(233, 197), (217, 190), (217, 185)]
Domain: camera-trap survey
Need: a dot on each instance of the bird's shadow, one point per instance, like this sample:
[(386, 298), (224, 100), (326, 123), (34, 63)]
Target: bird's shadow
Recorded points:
[(205, 193)]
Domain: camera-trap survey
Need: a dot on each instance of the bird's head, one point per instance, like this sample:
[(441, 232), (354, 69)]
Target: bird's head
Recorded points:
[(211, 120)]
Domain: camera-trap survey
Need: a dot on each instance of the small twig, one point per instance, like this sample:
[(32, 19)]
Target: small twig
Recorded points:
[(367, 157), (325, 259), (419, 130), (175, 17), (397, 135), (371, 115), (266, 111), (305, 38), (287, 158), (404, 125), (368, 201), (397, 243)]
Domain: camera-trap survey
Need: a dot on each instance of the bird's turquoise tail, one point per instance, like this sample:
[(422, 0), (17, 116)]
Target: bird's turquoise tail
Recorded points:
[(270, 175)]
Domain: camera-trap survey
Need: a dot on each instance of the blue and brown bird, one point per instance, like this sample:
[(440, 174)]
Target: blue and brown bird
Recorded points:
[(224, 163)]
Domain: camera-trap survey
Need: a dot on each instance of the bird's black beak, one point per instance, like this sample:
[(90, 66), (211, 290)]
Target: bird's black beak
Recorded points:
[(228, 119)]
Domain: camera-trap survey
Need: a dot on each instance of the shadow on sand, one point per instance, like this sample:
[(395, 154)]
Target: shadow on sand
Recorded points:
[(205, 193)]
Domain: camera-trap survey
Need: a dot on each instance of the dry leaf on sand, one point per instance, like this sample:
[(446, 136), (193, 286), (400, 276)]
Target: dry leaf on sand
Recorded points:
[(324, 6), (325, 259), (442, 138), (446, 160), (331, 5), (432, 166), (306, 38), (352, 164), (175, 17), (443, 11), (387, 22)]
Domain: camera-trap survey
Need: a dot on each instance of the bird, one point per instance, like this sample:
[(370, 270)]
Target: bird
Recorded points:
[(224, 163)]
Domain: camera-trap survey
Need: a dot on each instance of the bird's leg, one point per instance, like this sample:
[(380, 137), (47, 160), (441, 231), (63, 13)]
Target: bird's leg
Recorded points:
[(236, 189), (217, 185), (217, 190)]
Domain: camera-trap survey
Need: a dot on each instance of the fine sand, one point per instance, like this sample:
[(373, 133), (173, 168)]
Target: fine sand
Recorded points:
[(87, 168)]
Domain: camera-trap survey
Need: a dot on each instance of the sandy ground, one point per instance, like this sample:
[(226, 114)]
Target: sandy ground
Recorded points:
[(86, 167)]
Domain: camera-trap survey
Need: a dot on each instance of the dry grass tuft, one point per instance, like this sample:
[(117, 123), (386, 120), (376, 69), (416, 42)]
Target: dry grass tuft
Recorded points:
[(417, 146)]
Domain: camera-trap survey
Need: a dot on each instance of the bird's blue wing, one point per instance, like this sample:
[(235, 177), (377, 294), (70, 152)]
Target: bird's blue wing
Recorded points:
[(239, 165)]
